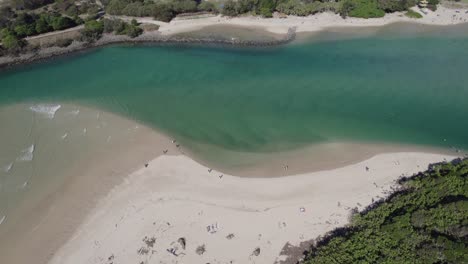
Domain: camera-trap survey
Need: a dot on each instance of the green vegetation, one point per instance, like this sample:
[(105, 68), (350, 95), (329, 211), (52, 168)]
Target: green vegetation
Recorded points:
[(93, 30), (412, 14), (298, 8), (25, 18), (119, 27), (395, 5), (160, 10), (10, 41), (353, 8), (362, 8), (427, 222)]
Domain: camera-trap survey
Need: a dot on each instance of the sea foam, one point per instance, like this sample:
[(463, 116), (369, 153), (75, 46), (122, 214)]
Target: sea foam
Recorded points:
[(8, 167), (27, 154), (47, 110)]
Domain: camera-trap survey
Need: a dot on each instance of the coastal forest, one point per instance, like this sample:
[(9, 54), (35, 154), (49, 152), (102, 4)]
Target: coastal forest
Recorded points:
[(20, 19), (426, 221)]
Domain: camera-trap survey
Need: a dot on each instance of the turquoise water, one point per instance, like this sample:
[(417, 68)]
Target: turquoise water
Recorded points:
[(380, 88)]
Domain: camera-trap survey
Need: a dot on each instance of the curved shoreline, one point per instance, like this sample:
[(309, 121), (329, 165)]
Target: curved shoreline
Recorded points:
[(52, 221), (177, 198), (288, 27), (146, 38)]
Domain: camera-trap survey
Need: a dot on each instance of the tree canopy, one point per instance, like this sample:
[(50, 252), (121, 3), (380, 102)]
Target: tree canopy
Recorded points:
[(425, 223)]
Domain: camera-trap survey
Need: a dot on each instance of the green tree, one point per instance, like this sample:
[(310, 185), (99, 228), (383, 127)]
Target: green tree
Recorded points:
[(60, 22), (12, 42), (183, 6), (207, 6), (42, 24), (229, 8), (266, 12), (133, 31), (162, 12), (93, 30), (25, 30), (395, 5)]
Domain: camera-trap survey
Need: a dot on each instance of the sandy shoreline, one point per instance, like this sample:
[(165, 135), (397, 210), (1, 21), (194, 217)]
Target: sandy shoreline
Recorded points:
[(174, 197), (48, 223), (442, 16), (168, 32)]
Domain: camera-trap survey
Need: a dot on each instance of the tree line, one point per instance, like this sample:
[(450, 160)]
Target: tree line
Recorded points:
[(426, 222)]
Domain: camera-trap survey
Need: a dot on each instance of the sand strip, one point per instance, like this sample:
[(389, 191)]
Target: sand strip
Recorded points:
[(312, 23), (169, 211)]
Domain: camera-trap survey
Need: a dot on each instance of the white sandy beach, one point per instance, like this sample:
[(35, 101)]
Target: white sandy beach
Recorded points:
[(312, 23), (175, 197)]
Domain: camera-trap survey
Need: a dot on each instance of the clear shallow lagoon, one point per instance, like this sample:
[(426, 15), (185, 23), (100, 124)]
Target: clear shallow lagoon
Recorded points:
[(384, 87)]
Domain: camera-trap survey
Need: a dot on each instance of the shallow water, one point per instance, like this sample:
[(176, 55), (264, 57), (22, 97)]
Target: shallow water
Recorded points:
[(381, 88), (403, 85)]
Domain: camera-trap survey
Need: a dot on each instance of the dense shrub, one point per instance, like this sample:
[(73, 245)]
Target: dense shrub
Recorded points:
[(93, 30), (120, 27), (293, 7), (298, 8), (11, 42), (163, 11), (395, 5), (364, 9), (266, 12), (230, 8), (207, 6), (422, 224), (29, 4)]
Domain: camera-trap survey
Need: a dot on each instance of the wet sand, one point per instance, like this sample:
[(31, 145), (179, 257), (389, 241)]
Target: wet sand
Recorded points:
[(80, 154), (68, 175)]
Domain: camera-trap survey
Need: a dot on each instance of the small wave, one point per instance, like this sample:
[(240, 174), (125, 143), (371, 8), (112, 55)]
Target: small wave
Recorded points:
[(24, 185), (64, 136), (47, 110), (2, 219), (27, 154), (8, 167)]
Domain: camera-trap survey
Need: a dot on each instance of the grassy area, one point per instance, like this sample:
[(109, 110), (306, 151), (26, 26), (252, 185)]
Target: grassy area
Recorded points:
[(412, 14), (427, 222)]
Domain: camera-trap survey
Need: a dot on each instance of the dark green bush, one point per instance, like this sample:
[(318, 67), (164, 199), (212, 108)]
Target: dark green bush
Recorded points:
[(207, 6), (93, 30), (426, 223), (365, 9), (395, 5)]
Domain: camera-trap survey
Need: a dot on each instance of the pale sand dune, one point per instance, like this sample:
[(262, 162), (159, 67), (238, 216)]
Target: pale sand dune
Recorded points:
[(313, 23), (176, 197)]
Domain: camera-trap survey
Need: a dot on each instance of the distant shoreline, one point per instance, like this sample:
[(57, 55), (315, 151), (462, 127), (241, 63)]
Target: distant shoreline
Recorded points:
[(45, 54), (284, 27)]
